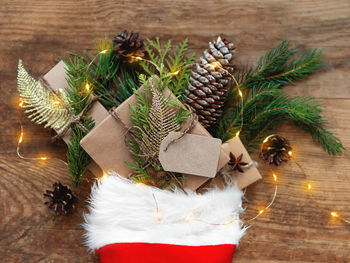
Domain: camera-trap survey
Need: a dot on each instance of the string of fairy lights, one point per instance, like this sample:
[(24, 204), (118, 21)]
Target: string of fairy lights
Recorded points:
[(191, 217)]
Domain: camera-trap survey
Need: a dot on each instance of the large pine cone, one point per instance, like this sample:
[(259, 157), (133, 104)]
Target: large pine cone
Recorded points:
[(128, 45), (209, 81), (276, 150)]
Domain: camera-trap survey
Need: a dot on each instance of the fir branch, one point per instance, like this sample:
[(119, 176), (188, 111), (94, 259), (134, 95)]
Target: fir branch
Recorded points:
[(77, 158), (266, 107), (266, 110), (76, 94), (278, 68), (76, 72)]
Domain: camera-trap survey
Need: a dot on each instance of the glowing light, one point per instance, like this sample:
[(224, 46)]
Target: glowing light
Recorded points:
[(237, 133), (261, 211), (334, 214), (274, 177), (87, 87), (43, 158), (240, 93), (309, 187), (175, 72), (20, 104), (20, 138), (137, 58), (105, 175), (290, 153), (104, 51), (158, 217)]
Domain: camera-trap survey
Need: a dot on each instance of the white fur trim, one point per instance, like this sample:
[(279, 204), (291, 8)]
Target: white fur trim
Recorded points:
[(124, 212)]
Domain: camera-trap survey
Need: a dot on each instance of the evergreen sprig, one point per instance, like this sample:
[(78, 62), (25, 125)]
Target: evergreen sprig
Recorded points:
[(278, 68), (170, 63), (77, 94), (77, 158), (108, 79), (266, 106)]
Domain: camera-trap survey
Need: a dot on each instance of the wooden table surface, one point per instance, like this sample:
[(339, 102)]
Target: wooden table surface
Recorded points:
[(294, 230)]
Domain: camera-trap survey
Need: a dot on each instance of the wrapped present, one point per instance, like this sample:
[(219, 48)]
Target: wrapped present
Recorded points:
[(105, 143), (57, 79)]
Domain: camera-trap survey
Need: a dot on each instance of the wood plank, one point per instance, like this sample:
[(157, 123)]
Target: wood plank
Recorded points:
[(294, 230)]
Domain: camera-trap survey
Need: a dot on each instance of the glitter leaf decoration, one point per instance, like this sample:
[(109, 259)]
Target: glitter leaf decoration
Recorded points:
[(161, 121), (43, 105)]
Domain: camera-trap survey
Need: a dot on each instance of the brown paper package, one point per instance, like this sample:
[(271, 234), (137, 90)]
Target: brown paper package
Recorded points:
[(106, 145), (57, 79)]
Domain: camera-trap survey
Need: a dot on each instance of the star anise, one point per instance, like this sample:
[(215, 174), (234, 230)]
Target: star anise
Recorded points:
[(236, 163)]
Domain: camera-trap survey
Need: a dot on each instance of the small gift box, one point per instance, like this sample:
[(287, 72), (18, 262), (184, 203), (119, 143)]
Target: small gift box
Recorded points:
[(106, 145), (106, 142), (57, 79)]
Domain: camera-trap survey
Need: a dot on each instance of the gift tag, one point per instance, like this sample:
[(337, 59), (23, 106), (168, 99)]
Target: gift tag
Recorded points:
[(190, 154)]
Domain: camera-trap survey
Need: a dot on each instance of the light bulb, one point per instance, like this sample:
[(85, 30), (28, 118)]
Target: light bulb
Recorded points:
[(20, 138), (274, 177), (334, 214), (158, 217), (175, 72)]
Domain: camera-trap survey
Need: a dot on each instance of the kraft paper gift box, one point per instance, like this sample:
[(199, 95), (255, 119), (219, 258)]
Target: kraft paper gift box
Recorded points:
[(57, 79), (105, 143), (95, 142)]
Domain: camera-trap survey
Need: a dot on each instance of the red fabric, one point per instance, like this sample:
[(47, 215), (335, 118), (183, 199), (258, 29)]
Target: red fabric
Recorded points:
[(165, 253)]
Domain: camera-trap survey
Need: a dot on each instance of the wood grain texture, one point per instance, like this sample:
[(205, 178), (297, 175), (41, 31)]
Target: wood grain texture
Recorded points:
[(295, 230)]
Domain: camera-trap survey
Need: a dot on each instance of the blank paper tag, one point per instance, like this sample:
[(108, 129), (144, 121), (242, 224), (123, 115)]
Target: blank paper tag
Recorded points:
[(191, 154)]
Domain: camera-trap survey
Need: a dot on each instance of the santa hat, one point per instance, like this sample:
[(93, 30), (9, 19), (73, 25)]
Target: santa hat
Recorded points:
[(131, 222)]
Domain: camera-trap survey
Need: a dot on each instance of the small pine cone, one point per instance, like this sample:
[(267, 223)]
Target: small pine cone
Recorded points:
[(209, 81), (61, 199), (128, 45), (276, 150)]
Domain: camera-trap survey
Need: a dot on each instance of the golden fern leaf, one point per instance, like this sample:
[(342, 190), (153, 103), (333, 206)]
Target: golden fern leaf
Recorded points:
[(161, 121), (43, 105)]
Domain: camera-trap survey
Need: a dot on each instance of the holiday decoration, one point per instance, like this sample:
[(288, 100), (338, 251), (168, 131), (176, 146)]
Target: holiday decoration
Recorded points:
[(159, 122), (111, 152), (251, 173), (128, 45), (209, 81), (136, 223), (237, 163), (154, 133), (43, 104), (276, 149), (61, 199)]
